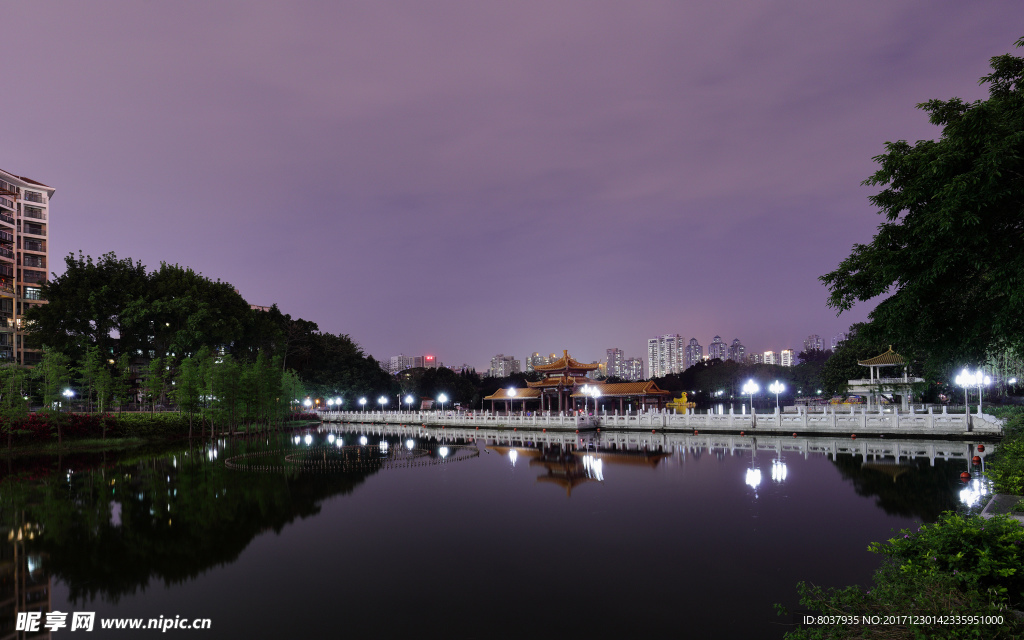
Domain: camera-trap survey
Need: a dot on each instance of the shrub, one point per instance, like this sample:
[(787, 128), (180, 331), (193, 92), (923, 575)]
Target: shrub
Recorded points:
[(979, 554), (961, 565)]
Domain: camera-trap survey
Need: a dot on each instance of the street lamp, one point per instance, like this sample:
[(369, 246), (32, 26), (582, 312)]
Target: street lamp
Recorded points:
[(750, 388), (337, 402), (965, 380), (983, 381), (68, 393), (408, 401), (362, 404), (595, 393), (776, 388), (442, 399), (307, 403), (511, 396), (383, 400)]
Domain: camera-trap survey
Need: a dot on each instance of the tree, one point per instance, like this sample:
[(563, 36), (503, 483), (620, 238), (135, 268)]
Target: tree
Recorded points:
[(13, 404), (54, 374), (153, 382), (89, 372), (87, 305), (188, 390), (123, 381), (948, 254)]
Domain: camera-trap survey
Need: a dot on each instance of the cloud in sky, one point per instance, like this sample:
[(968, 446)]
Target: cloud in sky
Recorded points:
[(467, 178)]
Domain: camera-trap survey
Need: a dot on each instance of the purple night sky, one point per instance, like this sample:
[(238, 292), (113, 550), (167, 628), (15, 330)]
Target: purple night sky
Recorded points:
[(464, 178)]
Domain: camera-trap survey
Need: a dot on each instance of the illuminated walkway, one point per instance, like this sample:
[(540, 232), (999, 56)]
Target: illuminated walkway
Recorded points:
[(831, 421)]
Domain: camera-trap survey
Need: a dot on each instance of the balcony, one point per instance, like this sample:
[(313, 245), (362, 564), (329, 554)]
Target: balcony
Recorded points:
[(5, 252), (33, 212), (29, 245), (35, 277), (32, 196), (6, 217), (34, 229), (33, 261), (6, 236), (6, 202), (6, 271)]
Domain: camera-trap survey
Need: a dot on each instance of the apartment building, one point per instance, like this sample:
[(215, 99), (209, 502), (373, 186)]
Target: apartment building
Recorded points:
[(665, 355), (24, 259)]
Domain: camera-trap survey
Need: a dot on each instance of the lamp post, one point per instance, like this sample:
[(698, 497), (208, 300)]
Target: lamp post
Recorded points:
[(362, 404), (383, 400), (442, 399), (983, 381), (776, 388), (408, 402), (307, 403), (595, 393), (511, 396), (337, 402), (750, 388), (68, 393), (965, 379)]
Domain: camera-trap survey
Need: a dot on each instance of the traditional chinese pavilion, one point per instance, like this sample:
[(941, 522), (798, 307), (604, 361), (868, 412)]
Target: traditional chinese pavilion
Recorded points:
[(877, 385), (561, 378), (566, 376)]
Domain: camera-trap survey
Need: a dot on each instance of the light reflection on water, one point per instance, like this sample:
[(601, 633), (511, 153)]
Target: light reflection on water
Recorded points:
[(685, 532)]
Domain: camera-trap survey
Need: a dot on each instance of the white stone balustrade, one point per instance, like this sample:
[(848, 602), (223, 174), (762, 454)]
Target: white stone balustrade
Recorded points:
[(838, 420)]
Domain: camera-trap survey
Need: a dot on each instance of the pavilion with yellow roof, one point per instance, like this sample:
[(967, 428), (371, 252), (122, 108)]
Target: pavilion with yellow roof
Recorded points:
[(877, 386)]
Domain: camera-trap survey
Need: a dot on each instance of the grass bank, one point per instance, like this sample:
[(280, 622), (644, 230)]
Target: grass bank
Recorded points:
[(53, 432)]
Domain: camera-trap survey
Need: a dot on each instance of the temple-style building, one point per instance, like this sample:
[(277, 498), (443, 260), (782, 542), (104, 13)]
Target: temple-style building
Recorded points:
[(563, 385), (562, 377)]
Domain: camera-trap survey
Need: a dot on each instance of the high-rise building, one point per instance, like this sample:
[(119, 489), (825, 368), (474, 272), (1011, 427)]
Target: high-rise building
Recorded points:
[(502, 366), (770, 357), (787, 358), (24, 259), (633, 369), (403, 362), (615, 361), (694, 353), (536, 359), (718, 349), (737, 352), (755, 358), (665, 355), (813, 342), (836, 339)]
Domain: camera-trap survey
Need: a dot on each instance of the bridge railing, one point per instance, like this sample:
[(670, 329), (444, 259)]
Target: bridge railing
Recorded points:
[(837, 419)]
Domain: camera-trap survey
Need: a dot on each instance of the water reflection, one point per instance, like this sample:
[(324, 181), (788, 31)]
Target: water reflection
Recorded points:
[(25, 586), (976, 489), (779, 470), (112, 524)]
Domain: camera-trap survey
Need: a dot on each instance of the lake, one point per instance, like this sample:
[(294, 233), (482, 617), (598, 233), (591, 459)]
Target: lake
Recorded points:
[(366, 532)]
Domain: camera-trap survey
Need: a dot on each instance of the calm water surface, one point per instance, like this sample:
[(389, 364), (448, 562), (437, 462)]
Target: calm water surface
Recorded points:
[(472, 539)]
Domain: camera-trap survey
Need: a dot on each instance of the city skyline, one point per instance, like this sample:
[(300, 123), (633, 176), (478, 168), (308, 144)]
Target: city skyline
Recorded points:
[(397, 173)]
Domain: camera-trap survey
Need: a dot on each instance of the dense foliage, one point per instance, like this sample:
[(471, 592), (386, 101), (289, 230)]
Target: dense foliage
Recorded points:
[(961, 565), (124, 336), (1006, 468), (947, 256)]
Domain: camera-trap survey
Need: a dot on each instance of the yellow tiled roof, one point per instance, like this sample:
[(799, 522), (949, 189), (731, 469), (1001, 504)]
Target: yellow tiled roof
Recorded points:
[(566, 362), (888, 358), (563, 380), (521, 394), (642, 388)]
